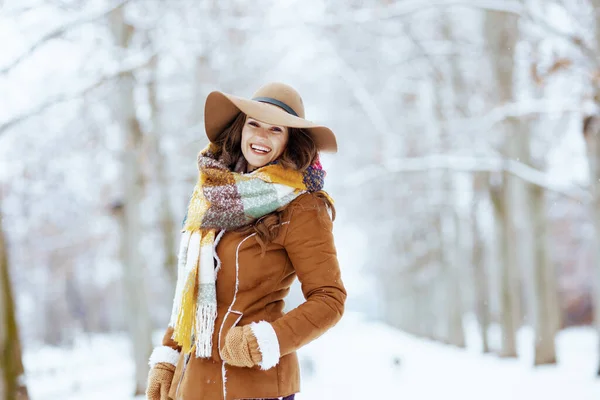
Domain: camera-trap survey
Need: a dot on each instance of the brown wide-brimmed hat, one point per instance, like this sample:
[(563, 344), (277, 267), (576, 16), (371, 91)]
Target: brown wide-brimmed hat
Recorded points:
[(274, 103)]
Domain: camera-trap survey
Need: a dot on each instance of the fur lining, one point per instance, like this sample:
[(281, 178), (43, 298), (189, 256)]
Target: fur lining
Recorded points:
[(164, 354), (224, 375), (268, 344), (215, 255)]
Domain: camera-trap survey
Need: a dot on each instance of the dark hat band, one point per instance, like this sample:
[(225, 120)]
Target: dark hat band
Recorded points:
[(277, 103)]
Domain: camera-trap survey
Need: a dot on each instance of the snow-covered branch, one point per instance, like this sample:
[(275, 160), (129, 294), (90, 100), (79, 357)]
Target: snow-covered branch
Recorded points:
[(364, 99), (465, 164), (577, 41), (516, 109), (409, 7), (4, 126), (401, 9), (57, 32)]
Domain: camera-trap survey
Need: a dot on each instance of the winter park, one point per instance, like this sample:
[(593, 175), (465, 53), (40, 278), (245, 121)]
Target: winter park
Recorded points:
[(299, 200)]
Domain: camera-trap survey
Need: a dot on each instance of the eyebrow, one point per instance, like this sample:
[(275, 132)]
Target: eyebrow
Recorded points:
[(259, 122)]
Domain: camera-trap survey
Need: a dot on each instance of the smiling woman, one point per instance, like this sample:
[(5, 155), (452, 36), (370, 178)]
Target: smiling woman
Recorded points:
[(262, 142), (258, 218), (293, 148)]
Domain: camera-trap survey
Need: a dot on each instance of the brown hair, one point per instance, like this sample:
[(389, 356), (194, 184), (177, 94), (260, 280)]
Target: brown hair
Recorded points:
[(299, 154)]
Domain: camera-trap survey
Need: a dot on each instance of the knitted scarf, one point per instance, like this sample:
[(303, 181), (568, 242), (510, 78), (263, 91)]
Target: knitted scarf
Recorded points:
[(223, 200)]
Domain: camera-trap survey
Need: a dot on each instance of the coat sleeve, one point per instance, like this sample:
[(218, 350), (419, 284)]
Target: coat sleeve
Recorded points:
[(311, 249), (169, 352), (168, 340)]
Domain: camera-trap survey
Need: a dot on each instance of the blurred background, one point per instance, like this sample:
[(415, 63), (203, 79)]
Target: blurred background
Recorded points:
[(467, 186)]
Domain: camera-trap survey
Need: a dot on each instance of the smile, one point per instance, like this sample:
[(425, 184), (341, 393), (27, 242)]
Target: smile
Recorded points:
[(260, 149)]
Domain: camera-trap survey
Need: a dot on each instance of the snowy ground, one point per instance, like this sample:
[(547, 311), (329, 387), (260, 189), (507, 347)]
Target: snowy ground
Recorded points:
[(355, 360)]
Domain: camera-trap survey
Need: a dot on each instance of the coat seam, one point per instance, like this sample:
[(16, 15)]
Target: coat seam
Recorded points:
[(230, 310), (287, 229), (215, 255)]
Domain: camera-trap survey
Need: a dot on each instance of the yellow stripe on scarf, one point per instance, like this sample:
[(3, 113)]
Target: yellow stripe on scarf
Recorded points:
[(197, 207), (278, 174), (185, 326)]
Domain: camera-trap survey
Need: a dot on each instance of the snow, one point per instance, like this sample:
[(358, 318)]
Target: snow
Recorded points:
[(363, 354), (356, 359), (339, 74)]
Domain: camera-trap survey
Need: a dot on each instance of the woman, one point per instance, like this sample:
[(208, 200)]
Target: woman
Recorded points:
[(257, 219)]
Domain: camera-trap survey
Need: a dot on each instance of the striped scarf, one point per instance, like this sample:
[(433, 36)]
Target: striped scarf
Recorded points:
[(223, 200)]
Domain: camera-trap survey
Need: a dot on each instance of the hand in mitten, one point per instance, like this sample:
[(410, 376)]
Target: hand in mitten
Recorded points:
[(162, 367), (250, 345), (159, 381), (241, 348)]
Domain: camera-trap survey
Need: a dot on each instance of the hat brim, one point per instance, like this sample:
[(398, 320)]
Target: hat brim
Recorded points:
[(222, 108)]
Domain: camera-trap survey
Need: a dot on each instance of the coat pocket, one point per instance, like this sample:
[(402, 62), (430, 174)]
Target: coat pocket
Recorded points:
[(230, 321)]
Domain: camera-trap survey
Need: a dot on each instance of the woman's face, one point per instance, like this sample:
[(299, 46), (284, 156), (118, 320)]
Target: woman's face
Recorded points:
[(262, 143)]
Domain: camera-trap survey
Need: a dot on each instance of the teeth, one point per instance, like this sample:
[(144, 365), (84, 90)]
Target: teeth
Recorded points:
[(260, 148)]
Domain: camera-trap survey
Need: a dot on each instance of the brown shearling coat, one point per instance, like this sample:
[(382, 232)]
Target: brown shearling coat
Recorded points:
[(251, 288)]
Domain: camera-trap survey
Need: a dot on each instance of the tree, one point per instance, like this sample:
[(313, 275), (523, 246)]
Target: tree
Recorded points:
[(592, 139), (12, 384), (542, 286), (480, 270), (591, 130), (129, 212), (501, 32), (169, 227)]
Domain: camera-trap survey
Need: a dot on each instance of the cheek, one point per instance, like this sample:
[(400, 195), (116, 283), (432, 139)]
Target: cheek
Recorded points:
[(244, 134), (281, 144)]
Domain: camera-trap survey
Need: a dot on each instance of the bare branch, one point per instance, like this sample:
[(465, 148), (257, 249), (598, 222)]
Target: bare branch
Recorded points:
[(57, 32), (74, 95)]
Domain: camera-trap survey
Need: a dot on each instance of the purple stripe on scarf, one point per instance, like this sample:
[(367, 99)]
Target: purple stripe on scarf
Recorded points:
[(314, 178), (227, 209)]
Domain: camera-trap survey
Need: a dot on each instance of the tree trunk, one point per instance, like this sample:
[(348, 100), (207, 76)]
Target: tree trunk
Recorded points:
[(480, 275), (507, 291), (501, 30), (457, 242), (545, 296), (533, 258), (130, 221), (456, 331), (169, 227), (592, 139), (541, 282), (451, 305), (12, 384)]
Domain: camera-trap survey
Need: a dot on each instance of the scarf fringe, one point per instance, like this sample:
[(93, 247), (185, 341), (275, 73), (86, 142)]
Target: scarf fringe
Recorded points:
[(205, 326), (183, 329)]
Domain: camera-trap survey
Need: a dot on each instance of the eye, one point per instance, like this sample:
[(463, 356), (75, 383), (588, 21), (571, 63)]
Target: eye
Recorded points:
[(277, 129), (252, 123)]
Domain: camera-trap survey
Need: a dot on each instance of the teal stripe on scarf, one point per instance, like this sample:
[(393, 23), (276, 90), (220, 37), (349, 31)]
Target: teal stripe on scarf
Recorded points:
[(260, 198)]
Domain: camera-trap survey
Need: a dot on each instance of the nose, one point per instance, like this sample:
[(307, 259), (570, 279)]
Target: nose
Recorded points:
[(262, 132)]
